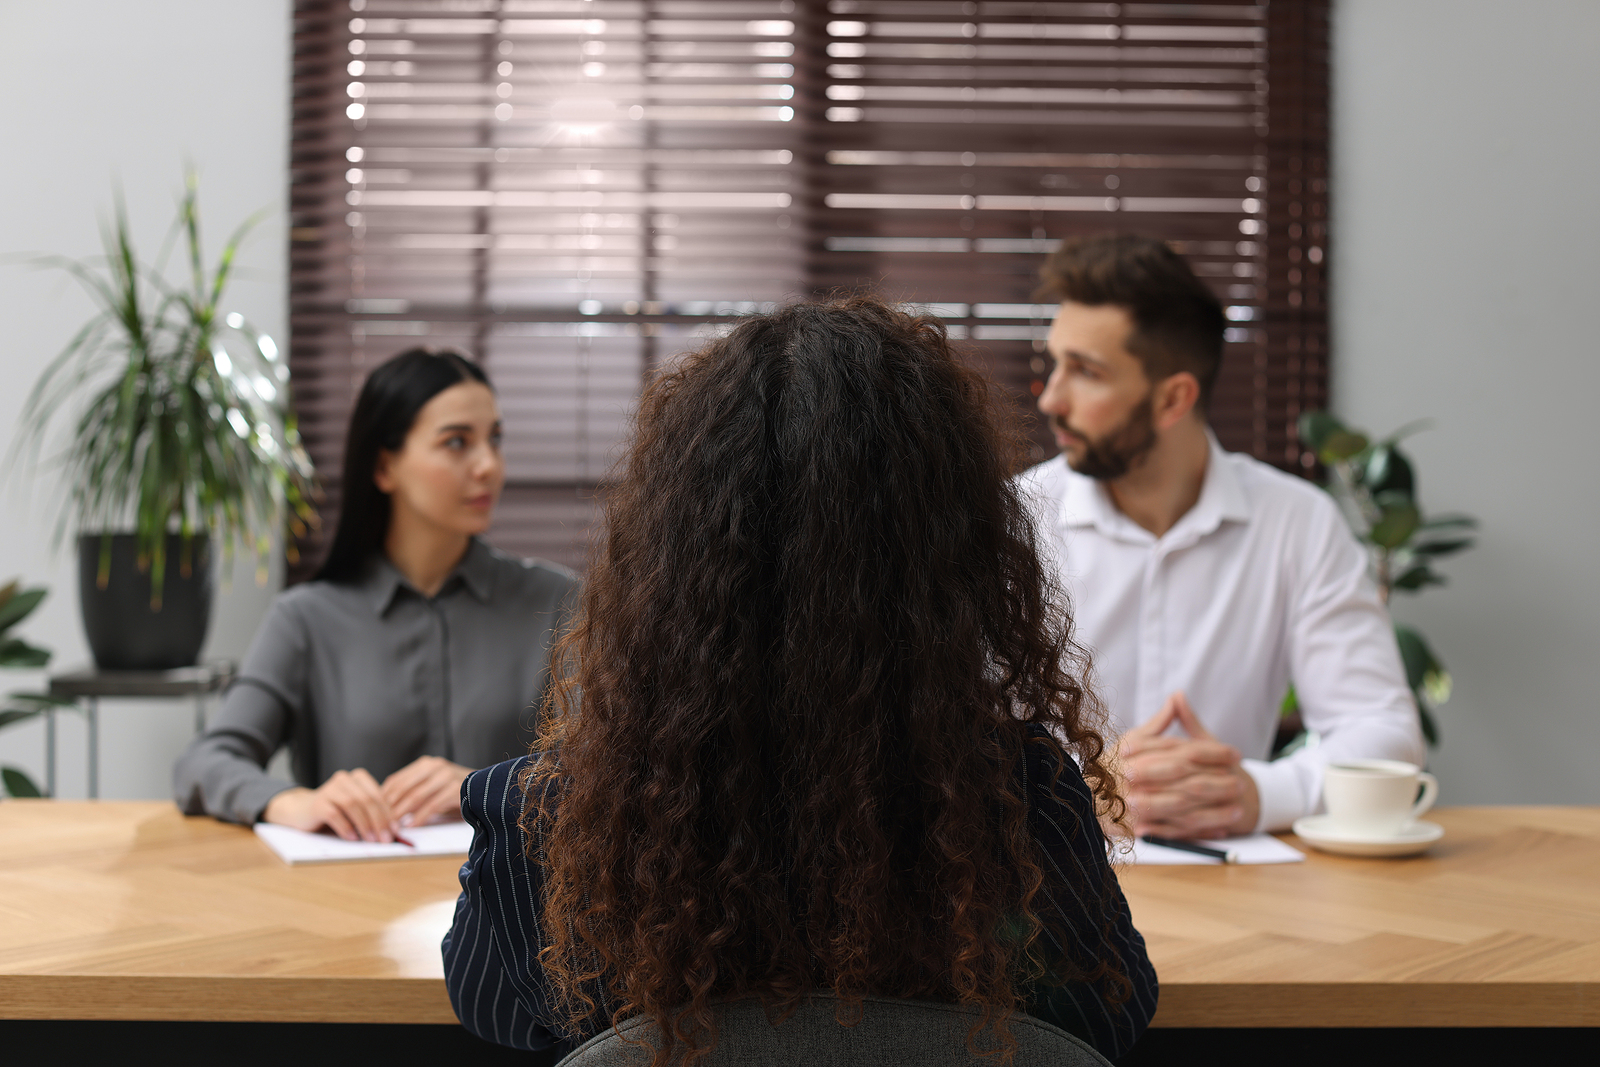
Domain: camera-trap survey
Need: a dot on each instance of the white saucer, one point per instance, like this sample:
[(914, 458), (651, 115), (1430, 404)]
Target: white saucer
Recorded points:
[(1318, 832)]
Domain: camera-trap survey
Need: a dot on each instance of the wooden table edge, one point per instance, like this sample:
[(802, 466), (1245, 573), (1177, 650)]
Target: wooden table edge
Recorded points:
[(225, 998), (312, 999), (1312, 1005)]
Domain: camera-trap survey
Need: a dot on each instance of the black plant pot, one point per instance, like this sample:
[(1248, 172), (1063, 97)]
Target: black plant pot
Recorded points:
[(124, 633)]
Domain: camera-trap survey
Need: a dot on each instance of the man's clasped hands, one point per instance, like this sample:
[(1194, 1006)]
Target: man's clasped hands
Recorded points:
[(354, 805), (1189, 786)]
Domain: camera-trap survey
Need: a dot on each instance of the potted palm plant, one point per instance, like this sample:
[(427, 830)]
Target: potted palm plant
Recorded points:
[(181, 439)]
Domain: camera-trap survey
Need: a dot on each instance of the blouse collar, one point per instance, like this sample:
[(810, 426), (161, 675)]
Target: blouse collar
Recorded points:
[(383, 581)]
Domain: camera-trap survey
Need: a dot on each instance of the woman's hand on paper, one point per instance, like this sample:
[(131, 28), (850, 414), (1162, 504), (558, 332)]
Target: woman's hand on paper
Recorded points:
[(351, 804), (1185, 787), (427, 789)]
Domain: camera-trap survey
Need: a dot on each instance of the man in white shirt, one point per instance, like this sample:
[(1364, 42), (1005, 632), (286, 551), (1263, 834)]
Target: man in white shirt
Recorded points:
[(1203, 582)]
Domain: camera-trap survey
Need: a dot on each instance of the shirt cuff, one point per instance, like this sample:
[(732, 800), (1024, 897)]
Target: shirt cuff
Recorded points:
[(1282, 798), (249, 804)]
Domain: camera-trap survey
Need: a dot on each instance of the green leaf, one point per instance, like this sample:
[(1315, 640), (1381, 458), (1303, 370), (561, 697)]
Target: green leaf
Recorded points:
[(1341, 445), (1407, 430), (1437, 686), (1417, 656), (1290, 704), (1416, 577), (1315, 427), (33, 703), (1376, 466), (18, 784), (1425, 676), (1396, 524), (1440, 549), (18, 606), (1390, 498), (14, 652), (1451, 522), (1388, 470), (1430, 728)]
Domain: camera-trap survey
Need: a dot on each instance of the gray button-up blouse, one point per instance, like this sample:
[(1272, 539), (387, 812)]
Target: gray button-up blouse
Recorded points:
[(374, 674)]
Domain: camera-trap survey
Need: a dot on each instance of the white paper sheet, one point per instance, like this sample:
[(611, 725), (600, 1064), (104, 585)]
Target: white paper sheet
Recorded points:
[(297, 846), (1256, 848)]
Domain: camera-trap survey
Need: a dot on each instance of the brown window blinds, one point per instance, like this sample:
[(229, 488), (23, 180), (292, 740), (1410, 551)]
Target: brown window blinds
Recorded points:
[(571, 190), (964, 140)]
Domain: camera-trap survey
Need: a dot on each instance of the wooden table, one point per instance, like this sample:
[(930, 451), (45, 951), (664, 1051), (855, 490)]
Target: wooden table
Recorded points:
[(1497, 925), (130, 911)]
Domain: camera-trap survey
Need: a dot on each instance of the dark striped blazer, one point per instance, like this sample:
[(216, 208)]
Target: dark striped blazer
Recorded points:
[(499, 991)]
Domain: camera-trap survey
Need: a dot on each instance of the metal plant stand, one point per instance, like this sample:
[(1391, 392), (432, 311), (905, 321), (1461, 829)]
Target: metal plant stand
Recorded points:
[(87, 687)]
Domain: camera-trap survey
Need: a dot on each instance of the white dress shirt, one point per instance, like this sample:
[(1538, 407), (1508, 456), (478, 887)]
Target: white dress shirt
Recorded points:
[(1260, 584)]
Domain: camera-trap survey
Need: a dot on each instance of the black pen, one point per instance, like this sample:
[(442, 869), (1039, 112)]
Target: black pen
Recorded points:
[(1191, 846)]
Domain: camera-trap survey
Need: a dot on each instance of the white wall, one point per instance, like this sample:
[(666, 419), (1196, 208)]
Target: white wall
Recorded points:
[(1466, 226), (99, 92)]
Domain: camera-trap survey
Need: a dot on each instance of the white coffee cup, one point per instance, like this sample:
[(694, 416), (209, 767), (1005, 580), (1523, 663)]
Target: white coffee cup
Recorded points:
[(1376, 797)]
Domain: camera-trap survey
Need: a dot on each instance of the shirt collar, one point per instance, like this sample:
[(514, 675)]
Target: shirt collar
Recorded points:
[(1222, 498), (383, 581), (477, 570), (1088, 502)]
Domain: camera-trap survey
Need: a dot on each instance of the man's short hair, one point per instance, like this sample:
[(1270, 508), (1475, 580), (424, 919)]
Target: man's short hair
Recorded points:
[(1178, 323)]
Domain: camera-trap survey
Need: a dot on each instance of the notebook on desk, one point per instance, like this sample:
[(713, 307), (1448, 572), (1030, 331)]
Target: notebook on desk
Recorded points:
[(1251, 849), (296, 846)]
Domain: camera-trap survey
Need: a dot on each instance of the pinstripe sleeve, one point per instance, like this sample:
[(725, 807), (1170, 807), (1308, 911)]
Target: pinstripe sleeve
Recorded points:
[(491, 954), (1073, 852)]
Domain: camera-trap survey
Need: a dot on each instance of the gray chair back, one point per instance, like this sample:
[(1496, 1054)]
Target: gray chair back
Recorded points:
[(891, 1033)]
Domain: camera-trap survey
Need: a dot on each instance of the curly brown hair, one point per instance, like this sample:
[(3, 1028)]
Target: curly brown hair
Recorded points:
[(809, 650)]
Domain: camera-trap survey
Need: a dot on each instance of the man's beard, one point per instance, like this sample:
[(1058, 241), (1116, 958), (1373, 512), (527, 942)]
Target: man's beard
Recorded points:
[(1119, 451)]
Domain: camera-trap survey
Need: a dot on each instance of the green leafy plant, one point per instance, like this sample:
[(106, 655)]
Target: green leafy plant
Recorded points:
[(17, 604), (186, 425), (1376, 487)]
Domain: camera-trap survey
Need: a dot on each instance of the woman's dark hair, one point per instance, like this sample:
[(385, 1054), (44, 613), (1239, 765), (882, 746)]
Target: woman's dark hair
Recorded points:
[(388, 405), (811, 646)]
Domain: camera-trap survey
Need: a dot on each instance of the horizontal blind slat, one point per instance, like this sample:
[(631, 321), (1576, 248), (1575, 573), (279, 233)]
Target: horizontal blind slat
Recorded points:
[(572, 191)]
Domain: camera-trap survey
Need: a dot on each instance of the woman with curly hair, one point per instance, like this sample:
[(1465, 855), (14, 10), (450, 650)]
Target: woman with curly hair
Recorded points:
[(820, 724)]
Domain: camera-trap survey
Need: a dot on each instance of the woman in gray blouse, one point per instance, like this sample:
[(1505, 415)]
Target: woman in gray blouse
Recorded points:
[(418, 653)]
